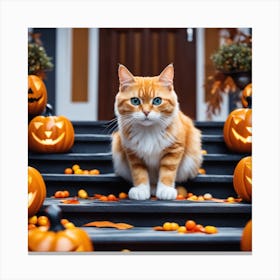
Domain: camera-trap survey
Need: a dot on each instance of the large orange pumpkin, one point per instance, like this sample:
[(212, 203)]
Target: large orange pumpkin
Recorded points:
[(246, 92), (242, 178), (51, 134), (37, 95), (57, 238), (238, 130), (36, 191), (246, 238)]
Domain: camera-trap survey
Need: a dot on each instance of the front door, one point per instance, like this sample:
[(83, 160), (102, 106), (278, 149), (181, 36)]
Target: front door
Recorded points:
[(146, 52)]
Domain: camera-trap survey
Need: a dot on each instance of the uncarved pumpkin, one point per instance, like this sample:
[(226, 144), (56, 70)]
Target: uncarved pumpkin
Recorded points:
[(37, 95), (36, 191), (57, 238), (242, 178), (238, 130), (246, 238), (246, 92), (51, 134)]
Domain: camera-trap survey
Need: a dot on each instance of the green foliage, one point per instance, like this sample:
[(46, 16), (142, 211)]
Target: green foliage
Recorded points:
[(234, 57), (38, 60)]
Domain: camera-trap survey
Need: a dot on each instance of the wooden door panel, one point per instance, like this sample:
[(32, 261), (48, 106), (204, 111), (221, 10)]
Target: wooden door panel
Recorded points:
[(145, 52)]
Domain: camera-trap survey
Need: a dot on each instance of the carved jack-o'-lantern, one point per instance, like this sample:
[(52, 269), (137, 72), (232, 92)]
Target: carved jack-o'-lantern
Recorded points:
[(247, 92), (51, 134), (36, 191), (242, 178), (57, 238), (238, 130), (37, 95)]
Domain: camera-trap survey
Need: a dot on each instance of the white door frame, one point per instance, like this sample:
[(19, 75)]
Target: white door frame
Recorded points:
[(76, 111), (201, 105)]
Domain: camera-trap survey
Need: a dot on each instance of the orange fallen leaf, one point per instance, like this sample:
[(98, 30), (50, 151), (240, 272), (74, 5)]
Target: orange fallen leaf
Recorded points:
[(202, 171), (217, 199), (102, 224), (159, 228), (70, 201)]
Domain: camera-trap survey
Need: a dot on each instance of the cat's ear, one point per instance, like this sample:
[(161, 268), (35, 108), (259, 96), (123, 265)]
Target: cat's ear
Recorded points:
[(167, 75), (125, 77)]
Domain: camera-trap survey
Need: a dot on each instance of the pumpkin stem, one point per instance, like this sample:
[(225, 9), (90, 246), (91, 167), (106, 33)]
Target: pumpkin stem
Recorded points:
[(54, 213), (49, 110), (249, 101)]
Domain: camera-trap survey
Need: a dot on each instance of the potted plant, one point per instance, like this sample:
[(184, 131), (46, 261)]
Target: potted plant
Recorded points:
[(234, 59), (38, 60), (233, 64)]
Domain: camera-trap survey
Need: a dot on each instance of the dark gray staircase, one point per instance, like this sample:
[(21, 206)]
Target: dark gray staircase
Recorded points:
[(92, 151)]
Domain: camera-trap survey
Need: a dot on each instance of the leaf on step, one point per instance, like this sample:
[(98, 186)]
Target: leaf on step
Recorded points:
[(97, 195), (105, 224), (70, 201), (201, 171), (217, 199), (159, 228)]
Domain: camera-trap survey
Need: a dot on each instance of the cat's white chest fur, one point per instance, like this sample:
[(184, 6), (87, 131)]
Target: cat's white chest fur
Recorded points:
[(148, 143)]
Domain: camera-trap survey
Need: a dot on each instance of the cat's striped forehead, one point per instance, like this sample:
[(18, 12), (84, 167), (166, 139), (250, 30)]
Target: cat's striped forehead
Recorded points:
[(146, 87)]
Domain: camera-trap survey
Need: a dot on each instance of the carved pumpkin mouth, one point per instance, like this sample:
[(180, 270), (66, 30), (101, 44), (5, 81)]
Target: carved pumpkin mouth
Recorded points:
[(48, 141), (247, 139), (33, 99), (31, 197)]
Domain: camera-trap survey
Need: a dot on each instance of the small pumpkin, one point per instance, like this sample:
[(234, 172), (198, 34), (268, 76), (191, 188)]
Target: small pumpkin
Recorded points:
[(242, 178), (37, 95), (50, 134), (238, 130), (36, 191), (246, 238), (58, 238), (246, 93)]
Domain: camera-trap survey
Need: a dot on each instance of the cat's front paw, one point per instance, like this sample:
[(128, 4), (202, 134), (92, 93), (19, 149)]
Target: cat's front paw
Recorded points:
[(166, 192), (141, 192)]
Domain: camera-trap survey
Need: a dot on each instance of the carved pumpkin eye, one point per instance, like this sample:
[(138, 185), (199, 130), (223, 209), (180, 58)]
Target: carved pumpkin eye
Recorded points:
[(59, 124), (237, 120), (249, 129), (38, 125)]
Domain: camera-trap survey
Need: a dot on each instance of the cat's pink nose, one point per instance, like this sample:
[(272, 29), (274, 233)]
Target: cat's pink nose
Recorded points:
[(146, 113)]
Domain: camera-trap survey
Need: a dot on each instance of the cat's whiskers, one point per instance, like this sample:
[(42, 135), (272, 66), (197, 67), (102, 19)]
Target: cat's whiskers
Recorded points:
[(112, 125)]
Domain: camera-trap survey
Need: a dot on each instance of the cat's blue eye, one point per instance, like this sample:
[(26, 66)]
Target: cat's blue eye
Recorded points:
[(135, 101), (157, 101)]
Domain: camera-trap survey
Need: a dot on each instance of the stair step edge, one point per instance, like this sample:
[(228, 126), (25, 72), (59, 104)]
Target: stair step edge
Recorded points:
[(149, 206), (108, 156), (114, 178)]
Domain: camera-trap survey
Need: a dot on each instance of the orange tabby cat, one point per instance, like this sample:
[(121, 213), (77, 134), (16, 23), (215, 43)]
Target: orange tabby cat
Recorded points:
[(156, 144)]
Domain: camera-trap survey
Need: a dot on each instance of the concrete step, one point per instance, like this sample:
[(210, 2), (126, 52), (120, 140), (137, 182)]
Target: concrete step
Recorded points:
[(219, 164), (146, 239), (101, 143), (150, 213), (218, 185), (107, 127)]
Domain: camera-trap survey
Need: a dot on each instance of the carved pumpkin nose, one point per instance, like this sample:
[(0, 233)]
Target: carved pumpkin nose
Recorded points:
[(48, 133)]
